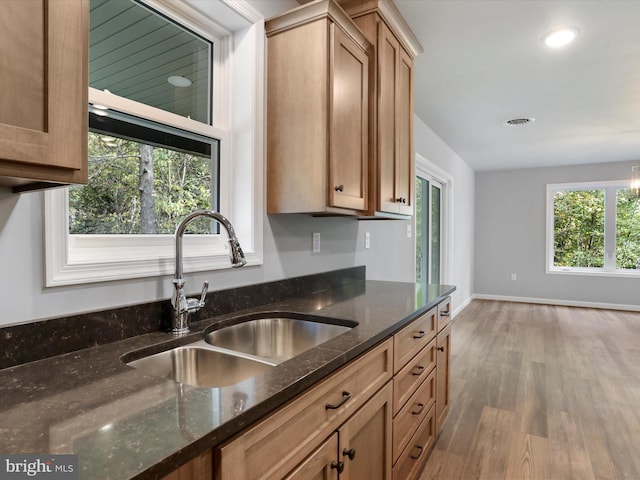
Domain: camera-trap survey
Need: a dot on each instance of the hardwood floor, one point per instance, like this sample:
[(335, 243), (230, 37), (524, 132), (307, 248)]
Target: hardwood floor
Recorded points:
[(541, 392)]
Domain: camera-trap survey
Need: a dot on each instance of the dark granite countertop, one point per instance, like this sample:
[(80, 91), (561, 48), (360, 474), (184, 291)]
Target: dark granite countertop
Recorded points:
[(124, 424)]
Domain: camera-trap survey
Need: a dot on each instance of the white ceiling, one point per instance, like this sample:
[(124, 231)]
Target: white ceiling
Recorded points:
[(484, 63)]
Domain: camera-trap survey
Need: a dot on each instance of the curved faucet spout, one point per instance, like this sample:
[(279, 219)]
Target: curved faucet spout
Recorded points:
[(183, 306)]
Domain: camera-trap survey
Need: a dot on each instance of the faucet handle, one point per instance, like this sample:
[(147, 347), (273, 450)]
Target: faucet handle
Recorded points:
[(205, 289)]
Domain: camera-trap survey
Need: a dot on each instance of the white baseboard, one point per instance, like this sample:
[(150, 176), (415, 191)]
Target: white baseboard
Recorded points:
[(553, 301)]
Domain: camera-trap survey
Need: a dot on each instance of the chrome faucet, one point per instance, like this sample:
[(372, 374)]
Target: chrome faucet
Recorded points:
[(183, 306)]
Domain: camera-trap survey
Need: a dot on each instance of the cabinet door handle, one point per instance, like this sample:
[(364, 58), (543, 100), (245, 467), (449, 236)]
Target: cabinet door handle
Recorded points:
[(420, 450), (345, 396), (441, 349), (339, 188), (338, 466), (351, 453), (401, 200), (420, 409), (445, 314), (421, 334), (417, 370)]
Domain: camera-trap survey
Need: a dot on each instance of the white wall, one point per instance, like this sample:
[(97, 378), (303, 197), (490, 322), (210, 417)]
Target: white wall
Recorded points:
[(510, 238)]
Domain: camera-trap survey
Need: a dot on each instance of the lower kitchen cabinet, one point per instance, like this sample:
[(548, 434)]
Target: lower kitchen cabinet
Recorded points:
[(321, 464), (351, 402), (359, 449), (365, 440), (200, 468), (413, 458), (443, 370), (377, 418)]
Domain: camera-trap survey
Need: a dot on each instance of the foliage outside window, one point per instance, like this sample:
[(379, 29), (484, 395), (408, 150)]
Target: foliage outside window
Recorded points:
[(156, 187), (594, 228)]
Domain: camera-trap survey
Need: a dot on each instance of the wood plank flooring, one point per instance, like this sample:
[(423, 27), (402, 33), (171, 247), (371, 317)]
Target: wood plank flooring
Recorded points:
[(541, 392)]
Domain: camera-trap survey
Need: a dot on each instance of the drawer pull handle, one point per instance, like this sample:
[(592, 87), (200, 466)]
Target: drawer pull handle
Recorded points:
[(445, 314), (441, 349), (338, 466), (420, 409), (420, 450), (417, 370), (421, 334), (339, 188), (351, 453), (345, 396)]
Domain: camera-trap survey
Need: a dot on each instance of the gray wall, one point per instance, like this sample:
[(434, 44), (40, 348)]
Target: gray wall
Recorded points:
[(287, 252), (432, 148), (287, 246), (510, 216)]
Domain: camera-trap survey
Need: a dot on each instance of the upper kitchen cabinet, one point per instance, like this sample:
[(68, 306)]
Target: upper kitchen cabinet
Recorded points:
[(392, 176), (43, 92), (317, 112)]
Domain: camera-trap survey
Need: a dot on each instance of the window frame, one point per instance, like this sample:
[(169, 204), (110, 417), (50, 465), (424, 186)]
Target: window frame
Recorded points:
[(238, 124), (609, 269)]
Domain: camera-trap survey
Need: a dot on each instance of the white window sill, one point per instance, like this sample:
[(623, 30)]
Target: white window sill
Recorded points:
[(593, 272)]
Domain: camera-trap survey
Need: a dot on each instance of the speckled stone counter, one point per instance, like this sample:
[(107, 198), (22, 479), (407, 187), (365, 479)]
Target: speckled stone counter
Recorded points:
[(124, 424)]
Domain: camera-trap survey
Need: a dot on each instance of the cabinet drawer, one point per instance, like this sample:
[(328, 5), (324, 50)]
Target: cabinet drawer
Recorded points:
[(444, 313), (414, 411), (412, 338), (273, 447), (417, 450), (407, 380)]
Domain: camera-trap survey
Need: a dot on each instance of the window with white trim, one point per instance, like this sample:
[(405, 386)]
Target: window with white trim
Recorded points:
[(593, 229), (205, 142)]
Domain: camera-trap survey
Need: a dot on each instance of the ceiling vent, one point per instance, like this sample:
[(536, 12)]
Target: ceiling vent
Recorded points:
[(514, 122)]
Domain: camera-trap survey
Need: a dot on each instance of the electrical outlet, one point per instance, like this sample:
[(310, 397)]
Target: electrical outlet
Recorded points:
[(409, 231), (316, 242), (514, 276), (367, 240)]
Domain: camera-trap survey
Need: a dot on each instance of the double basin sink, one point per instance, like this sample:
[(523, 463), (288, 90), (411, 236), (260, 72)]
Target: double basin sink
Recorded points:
[(231, 354)]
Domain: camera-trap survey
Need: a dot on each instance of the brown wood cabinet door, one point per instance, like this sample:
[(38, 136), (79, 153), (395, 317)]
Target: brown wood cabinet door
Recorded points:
[(321, 464), (388, 59), (395, 125), (200, 468), (43, 89), (365, 440), (443, 372), (404, 176), (348, 123)]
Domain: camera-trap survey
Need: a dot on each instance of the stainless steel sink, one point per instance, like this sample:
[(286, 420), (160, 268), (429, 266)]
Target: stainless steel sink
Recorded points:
[(274, 339), (200, 366), (237, 352)]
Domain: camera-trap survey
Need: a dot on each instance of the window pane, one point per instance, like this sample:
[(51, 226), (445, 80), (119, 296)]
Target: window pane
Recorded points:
[(138, 184), (435, 234), (627, 230), (134, 51), (579, 228)]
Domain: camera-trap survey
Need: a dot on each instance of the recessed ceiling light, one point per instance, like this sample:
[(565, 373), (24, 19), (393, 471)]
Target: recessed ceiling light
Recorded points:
[(178, 81), (560, 37), (515, 122)]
